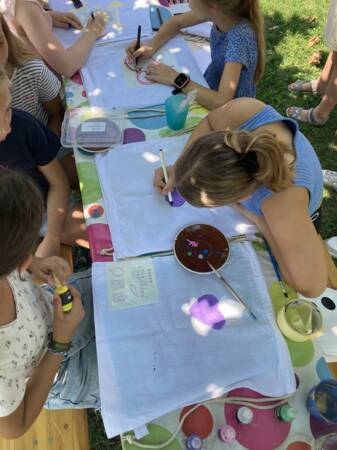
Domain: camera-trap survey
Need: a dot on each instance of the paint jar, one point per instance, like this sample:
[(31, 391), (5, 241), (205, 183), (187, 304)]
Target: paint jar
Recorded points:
[(227, 434), (175, 115), (286, 413), (244, 415), (322, 401), (328, 442), (300, 320)]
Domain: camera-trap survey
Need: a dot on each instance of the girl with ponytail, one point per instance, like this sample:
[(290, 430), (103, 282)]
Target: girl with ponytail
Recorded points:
[(237, 50), (247, 155)]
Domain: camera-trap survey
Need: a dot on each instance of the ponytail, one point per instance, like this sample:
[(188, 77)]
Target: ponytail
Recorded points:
[(222, 168), (257, 22)]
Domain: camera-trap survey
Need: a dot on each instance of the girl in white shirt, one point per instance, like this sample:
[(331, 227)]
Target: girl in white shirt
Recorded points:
[(35, 334)]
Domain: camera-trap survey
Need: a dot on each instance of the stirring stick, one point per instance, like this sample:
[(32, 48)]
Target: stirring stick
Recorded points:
[(231, 290), (139, 32), (163, 165), (159, 17)]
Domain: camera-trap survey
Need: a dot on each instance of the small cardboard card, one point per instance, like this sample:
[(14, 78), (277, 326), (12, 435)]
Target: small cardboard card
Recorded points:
[(131, 283)]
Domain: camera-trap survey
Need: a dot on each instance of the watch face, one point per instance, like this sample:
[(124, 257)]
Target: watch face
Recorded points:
[(181, 79)]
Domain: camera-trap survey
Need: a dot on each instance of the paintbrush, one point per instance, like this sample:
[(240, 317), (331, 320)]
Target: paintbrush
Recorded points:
[(277, 271), (139, 32), (163, 165), (230, 289)]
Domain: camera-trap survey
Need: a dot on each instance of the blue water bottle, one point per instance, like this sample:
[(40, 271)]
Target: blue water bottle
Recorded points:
[(322, 401)]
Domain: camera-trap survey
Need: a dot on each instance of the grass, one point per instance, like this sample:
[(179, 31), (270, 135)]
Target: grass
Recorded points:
[(288, 29)]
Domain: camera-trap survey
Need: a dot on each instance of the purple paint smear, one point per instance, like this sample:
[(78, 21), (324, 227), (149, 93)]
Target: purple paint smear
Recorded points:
[(177, 199), (206, 310)]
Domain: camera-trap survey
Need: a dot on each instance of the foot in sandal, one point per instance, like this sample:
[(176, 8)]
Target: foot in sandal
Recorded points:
[(305, 115), (305, 86)]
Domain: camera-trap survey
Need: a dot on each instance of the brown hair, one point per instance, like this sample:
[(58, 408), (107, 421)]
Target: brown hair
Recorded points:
[(250, 10), (18, 53), (21, 207), (224, 167)]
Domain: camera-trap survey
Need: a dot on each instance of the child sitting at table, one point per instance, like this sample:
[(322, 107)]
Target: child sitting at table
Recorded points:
[(47, 358), (237, 50), (245, 154), (35, 26), (34, 88), (28, 145)]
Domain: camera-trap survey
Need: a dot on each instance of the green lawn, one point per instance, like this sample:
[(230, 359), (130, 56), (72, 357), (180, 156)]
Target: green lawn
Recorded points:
[(288, 29)]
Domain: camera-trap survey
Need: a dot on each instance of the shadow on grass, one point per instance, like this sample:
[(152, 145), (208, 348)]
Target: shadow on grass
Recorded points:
[(98, 439)]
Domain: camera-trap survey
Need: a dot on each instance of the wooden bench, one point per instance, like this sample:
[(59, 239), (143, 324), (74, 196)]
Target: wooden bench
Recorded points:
[(65, 429)]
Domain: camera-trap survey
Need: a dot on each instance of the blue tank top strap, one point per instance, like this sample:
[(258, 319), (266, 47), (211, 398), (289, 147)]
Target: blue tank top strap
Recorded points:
[(268, 115)]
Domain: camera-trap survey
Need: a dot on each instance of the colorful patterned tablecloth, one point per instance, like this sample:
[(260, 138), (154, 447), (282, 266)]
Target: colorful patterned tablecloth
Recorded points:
[(265, 432)]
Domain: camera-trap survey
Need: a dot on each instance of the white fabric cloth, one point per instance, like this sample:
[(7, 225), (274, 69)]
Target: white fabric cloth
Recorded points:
[(7, 8), (24, 341), (202, 29), (126, 177), (124, 18), (156, 358), (110, 84), (331, 27)]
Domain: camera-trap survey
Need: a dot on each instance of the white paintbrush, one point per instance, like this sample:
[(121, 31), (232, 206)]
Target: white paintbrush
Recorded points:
[(163, 165)]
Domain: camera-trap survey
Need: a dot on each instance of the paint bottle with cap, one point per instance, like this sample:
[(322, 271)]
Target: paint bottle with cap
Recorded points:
[(227, 434), (65, 295), (244, 415), (286, 413), (194, 442)]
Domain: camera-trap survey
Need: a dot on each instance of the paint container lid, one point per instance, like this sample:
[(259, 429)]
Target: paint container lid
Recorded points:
[(227, 434), (92, 128), (244, 415), (194, 442), (286, 413)]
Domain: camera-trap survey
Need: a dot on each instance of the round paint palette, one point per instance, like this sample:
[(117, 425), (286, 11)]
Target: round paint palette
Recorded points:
[(197, 244)]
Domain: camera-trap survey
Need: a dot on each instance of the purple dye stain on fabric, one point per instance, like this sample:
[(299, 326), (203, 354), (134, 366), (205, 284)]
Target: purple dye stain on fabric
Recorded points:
[(206, 310), (177, 199)]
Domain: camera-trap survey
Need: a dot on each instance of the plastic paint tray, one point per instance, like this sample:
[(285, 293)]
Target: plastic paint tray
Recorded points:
[(92, 128)]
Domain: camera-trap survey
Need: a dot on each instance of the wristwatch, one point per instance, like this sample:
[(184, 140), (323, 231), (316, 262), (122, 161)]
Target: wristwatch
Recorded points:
[(180, 82)]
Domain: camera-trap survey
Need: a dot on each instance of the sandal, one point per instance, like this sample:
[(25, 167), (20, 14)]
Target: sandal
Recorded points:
[(297, 86), (296, 112)]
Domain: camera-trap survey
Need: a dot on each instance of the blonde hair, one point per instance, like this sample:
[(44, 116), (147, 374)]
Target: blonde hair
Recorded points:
[(18, 53), (3, 75), (224, 167), (250, 10)]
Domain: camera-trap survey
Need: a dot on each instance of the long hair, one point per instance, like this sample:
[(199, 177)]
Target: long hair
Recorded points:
[(18, 53), (251, 11), (221, 168), (21, 207)]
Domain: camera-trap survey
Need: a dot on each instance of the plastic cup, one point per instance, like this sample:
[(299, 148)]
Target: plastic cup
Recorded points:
[(175, 116)]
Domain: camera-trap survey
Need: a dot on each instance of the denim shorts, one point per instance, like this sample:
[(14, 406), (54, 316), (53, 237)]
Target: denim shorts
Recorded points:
[(76, 383)]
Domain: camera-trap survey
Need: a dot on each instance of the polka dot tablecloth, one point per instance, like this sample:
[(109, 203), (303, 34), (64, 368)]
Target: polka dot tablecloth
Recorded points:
[(265, 432)]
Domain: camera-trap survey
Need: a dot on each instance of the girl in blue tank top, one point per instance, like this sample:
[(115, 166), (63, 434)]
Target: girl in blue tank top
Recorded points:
[(237, 50), (247, 155)]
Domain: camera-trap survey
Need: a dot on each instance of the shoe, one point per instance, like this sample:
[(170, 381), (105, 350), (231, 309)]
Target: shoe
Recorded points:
[(330, 178), (296, 112)]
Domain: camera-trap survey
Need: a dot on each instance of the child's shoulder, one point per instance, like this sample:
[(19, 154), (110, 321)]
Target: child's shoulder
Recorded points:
[(242, 29)]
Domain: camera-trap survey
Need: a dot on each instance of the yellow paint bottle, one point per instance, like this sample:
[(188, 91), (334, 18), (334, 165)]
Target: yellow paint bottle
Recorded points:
[(65, 295)]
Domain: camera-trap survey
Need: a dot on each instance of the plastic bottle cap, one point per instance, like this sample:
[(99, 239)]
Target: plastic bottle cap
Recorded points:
[(244, 415), (194, 442), (227, 434), (287, 413)]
